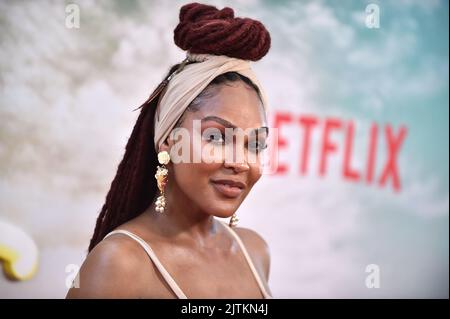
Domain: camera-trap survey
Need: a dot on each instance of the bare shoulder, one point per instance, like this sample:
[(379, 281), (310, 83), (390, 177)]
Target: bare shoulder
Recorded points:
[(113, 269), (257, 248)]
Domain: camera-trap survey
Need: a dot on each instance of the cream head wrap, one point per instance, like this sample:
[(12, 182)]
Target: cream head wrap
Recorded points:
[(186, 85)]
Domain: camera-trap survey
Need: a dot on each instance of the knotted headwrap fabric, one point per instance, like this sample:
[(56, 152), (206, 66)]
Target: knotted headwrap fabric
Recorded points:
[(186, 85)]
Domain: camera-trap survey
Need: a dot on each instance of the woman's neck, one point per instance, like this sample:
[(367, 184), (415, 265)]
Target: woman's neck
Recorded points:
[(183, 219)]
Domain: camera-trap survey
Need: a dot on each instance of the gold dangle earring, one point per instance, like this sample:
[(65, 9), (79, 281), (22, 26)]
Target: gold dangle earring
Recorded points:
[(161, 180), (233, 221)]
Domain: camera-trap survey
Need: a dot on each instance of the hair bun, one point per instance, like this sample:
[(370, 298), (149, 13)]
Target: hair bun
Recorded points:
[(204, 29)]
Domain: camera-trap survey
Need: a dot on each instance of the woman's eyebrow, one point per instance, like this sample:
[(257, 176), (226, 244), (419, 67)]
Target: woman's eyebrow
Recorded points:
[(219, 120), (225, 123)]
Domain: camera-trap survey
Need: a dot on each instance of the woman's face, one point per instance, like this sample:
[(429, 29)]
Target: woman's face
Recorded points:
[(227, 134)]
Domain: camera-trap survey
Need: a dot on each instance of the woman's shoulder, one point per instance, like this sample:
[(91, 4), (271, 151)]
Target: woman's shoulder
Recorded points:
[(257, 247), (109, 269)]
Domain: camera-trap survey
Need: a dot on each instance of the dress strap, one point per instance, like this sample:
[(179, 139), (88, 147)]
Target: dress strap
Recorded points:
[(249, 261), (167, 277)]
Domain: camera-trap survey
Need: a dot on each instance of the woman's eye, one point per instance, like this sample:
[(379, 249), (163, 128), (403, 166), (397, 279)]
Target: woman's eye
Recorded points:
[(257, 146), (214, 137)]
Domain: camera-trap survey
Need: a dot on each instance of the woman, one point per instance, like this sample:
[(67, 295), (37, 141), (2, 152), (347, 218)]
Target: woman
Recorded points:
[(157, 235)]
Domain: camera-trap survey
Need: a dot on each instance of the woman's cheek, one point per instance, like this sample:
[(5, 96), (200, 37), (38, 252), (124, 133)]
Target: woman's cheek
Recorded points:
[(256, 172), (212, 153)]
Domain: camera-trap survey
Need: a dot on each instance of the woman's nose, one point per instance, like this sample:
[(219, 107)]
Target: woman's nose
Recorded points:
[(237, 166)]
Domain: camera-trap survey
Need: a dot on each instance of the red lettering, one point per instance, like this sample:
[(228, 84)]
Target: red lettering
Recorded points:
[(372, 152), (327, 145), (390, 168), (347, 171), (307, 122), (280, 119)]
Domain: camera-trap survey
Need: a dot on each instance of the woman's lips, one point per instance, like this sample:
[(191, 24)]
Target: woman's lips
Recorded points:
[(228, 188)]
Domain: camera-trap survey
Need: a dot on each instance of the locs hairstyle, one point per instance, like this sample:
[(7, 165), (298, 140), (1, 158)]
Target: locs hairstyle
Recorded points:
[(202, 29)]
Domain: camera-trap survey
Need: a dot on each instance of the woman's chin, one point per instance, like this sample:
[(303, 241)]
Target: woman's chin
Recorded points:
[(222, 210)]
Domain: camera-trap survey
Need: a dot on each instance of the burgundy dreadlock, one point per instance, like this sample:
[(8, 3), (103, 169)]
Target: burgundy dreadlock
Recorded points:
[(202, 29)]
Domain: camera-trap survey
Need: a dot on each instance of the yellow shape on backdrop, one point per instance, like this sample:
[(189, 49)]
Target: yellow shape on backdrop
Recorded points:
[(18, 252)]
